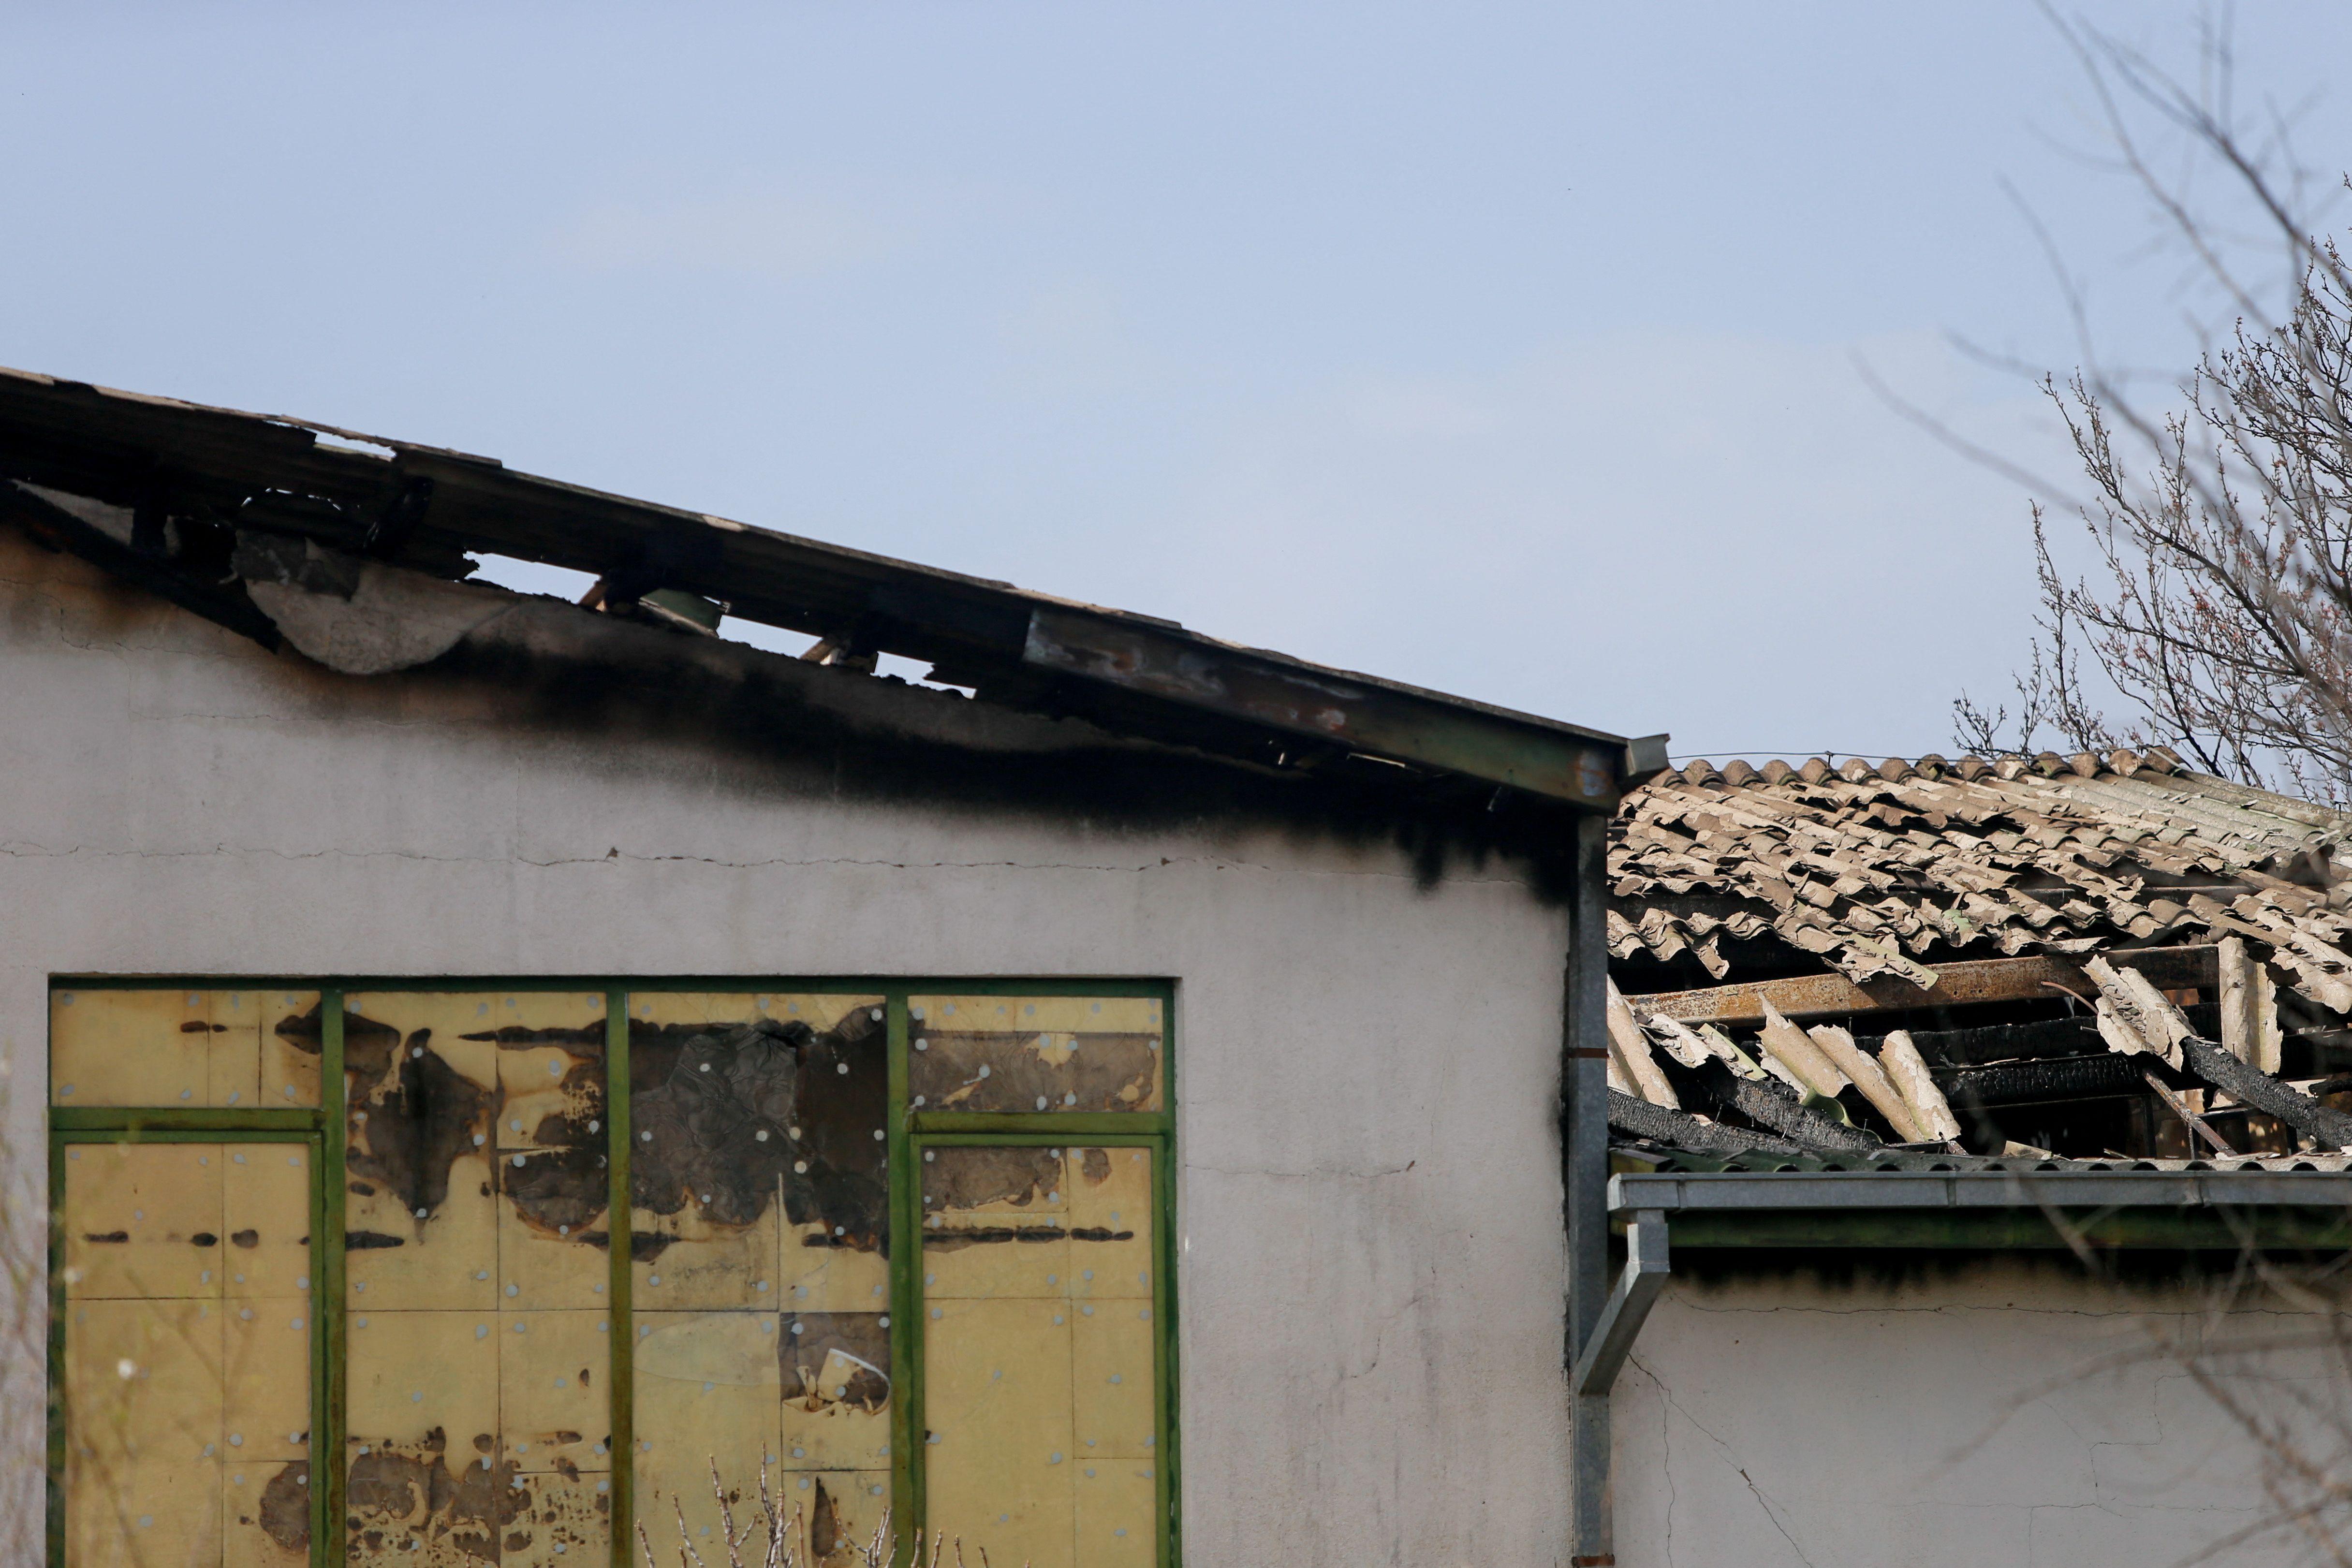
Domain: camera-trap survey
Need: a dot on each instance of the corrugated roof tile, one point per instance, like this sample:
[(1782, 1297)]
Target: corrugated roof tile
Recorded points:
[(1969, 857)]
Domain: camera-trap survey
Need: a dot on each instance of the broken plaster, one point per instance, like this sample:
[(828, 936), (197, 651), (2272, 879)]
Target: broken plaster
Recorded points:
[(389, 621)]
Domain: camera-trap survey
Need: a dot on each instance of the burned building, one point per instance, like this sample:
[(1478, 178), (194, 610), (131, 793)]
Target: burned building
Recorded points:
[(505, 1073), (502, 1059)]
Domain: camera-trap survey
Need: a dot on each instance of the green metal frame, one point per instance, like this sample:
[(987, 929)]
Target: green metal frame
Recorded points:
[(96, 1119), (905, 1208), (326, 1490), (620, 1375), (325, 1130)]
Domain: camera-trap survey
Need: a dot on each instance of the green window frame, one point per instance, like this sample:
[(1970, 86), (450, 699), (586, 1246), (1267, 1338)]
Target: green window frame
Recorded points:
[(909, 1131)]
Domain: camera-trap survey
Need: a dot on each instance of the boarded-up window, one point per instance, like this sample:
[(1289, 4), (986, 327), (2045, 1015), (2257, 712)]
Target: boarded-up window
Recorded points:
[(1036, 1054), (186, 1372), (1039, 1352), (241, 1048), (758, 1186), (478, 1311), (896, 1252)]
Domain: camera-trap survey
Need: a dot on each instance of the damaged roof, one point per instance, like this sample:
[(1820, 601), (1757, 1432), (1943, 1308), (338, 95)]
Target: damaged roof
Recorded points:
[(2076, 962), (1884, 870), (203, 482)]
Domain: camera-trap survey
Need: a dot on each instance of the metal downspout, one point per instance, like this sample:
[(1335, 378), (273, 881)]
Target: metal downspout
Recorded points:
[(1584, 1154), (1647, 1263)]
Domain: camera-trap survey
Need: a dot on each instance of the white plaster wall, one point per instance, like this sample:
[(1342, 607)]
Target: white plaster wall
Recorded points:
[(1372, 1257), (2015, 1413)]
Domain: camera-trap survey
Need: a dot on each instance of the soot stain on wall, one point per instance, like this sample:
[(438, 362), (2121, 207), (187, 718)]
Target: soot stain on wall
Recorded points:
[(560, 1192), (419, 1121), (415, 1117), (994, 1071), (827, 1532), (2127, 1271), (973, 1177), (285, 1511), (581, 1087), (619, 685), (560, 1188), (396, 1496), (732, 1111), (970, 1179)]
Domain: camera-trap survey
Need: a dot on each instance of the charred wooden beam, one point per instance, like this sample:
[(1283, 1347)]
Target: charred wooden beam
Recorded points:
[(1963, 984), (1767, 1105), (1965, 1047), (2105, 1076), (2253, 1087), (2141, 1024), (388, 535), (1681, 1131)]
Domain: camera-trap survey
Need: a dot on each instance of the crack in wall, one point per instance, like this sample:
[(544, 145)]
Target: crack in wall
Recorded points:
[(36, 851), (1765, 1504), (1666, 1447), (1669, 1404), (1380, 1339)]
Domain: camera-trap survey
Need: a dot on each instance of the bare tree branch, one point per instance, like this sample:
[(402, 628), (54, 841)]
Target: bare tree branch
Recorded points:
[(2220, 522)]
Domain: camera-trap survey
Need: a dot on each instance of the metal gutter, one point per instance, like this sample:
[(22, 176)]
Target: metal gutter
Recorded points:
[(1753, 1192)]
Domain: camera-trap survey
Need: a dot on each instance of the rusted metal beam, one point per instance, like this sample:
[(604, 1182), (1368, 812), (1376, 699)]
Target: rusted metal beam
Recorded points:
[(1962, 984), (1334, 707)]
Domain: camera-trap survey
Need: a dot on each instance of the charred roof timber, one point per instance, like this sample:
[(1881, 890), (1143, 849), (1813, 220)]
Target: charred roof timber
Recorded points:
[(219, 476)]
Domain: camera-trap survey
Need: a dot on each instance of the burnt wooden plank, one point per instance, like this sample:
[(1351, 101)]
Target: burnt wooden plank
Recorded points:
[(2055, 1078), (1677, 1130), (2329, 1127)]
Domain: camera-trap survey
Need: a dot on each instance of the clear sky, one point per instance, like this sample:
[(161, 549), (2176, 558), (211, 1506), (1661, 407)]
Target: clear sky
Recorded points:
[(1511, 348)]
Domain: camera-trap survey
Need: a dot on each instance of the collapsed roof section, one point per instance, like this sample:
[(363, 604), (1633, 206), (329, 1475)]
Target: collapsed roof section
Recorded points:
[(1933, 963), (211, 491)]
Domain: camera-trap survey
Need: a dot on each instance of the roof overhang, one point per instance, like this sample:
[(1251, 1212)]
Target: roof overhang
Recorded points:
[(426, 507)]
